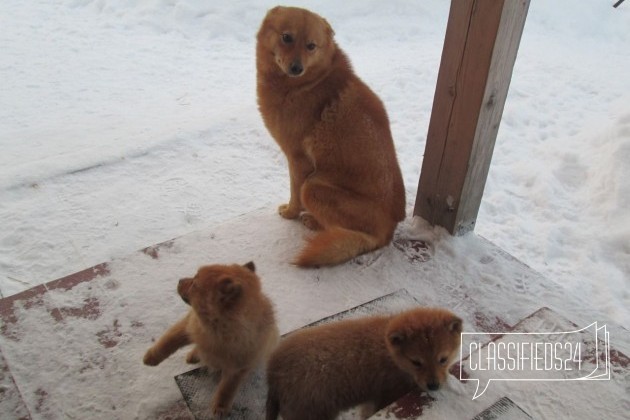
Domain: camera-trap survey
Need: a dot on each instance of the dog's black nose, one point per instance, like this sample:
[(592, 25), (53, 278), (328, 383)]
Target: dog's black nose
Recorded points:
[(296, 68), (433, 386)]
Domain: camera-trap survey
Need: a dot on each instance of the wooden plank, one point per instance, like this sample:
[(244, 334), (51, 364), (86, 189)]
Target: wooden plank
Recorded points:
[(480, 48)]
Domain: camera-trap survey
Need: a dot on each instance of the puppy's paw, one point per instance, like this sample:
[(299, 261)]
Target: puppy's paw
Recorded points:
[(288, 212), (151, 358), (219, 410), (192, 357), (310, 222), (367, 410)]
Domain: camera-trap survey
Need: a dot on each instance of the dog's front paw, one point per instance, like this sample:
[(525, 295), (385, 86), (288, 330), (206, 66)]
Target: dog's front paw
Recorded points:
[(288, 212), (151, 358)]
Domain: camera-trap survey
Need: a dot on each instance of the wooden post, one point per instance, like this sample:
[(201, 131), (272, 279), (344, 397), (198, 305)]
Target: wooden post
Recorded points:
[(482, 39)]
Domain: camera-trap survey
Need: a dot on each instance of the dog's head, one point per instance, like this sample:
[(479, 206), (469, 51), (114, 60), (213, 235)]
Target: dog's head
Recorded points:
[(217, 289), (297, 42), (425, 343)]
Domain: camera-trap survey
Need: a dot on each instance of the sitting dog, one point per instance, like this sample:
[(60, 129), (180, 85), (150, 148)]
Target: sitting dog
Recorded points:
[(345, 180)]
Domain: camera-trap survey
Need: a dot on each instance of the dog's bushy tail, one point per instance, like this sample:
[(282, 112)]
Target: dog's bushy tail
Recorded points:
[(334, 246)]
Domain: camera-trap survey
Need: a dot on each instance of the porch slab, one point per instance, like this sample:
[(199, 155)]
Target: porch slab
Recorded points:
[(566, 395), (73, 348)]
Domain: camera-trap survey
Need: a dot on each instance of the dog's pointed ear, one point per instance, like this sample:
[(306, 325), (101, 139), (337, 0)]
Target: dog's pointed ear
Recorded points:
[(274, 10), (229, 291), (329, 28), (455, 325), (396, 338), (250, 266)]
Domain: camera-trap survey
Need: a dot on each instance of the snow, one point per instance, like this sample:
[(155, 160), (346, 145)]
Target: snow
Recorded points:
[(128, 123)]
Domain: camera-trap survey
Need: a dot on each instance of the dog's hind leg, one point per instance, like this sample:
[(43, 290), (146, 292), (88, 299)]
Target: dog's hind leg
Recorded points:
[(332, 206), (309, 221), (351, 224), (226, 391)]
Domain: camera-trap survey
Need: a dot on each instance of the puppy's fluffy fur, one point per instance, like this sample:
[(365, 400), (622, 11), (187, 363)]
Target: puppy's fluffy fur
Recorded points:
[(317, 372), (334, 131), (231, 323)]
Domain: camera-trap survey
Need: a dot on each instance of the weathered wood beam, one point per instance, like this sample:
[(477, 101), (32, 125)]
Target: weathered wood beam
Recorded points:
[(480, 46)]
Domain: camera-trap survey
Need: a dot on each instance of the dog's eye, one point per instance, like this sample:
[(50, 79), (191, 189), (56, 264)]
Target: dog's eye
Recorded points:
[(417, 363), (287, 38), (311, 46), (443, 360)]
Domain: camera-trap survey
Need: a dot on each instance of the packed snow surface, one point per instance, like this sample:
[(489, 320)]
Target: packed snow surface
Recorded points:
[(128, 123)]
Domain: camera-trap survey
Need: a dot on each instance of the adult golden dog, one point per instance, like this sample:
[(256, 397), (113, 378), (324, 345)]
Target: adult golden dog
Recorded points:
[(334, 131)]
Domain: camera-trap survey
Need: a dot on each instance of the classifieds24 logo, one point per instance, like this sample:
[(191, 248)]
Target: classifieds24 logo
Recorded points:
[(578, 355)]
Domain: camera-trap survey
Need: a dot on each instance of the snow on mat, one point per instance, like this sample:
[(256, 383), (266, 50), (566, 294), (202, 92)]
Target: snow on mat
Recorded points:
[(197, 386)]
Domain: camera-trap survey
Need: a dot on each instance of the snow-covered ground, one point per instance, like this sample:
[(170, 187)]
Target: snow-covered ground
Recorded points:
[(127, 123)]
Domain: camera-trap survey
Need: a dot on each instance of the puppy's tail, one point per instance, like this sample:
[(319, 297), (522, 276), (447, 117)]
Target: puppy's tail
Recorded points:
[(336, 245), (273, 406)]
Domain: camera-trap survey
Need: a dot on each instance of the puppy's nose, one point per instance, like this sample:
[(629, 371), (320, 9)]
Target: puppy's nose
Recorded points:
[(433, 386), (296, 68)]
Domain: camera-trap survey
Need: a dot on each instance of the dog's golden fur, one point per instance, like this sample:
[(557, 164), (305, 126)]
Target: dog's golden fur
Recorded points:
[(317, 372), (344, 176), (231, 323)]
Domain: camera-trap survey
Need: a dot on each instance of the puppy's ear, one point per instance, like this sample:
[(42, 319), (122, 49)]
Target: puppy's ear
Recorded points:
[(250, 266), (274, 10), (183, 288), (396, 338), (229, 291), (455, 325), (329, 29)]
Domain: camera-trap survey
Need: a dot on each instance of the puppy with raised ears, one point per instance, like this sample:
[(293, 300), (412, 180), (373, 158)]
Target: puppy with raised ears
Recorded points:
[(231, 324), (317, 372), (345, 182)]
